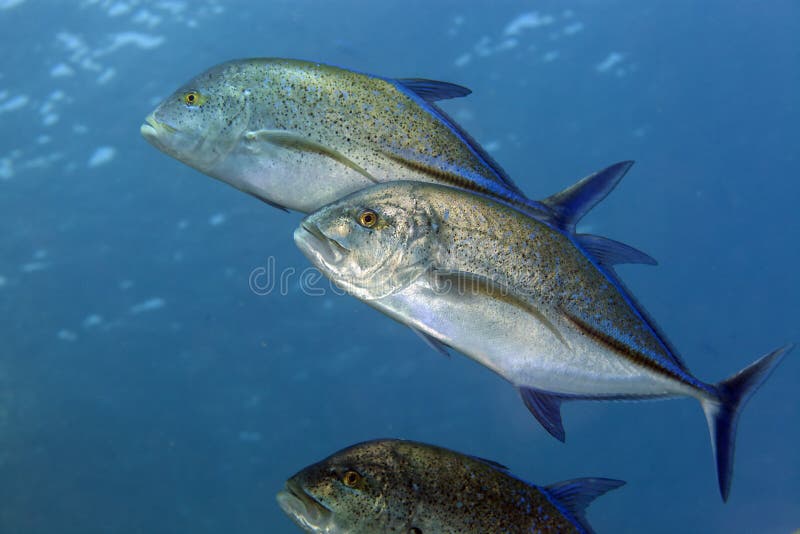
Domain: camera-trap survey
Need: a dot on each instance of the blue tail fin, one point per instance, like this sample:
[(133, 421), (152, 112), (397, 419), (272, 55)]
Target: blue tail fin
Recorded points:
[(722, 413)]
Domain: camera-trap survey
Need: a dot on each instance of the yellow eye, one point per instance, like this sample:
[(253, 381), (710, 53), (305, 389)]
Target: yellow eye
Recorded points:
[(351, 479), (368, 218), (193, 98)]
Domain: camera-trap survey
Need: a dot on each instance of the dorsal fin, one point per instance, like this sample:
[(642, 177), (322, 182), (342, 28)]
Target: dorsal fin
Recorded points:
[(431, 90), (609, 253), (574, 496), (571, 204)]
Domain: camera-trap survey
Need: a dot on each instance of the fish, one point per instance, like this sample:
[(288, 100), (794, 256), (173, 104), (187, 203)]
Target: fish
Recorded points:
[(299, 134), (535, 302), (390, 485)]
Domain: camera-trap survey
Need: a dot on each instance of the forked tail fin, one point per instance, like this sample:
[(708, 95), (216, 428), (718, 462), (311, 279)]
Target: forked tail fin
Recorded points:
[(722, 413)]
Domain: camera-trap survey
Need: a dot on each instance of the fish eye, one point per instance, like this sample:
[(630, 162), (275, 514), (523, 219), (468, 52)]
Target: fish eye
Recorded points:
[(351, 479), (367, 218), (193, 98)]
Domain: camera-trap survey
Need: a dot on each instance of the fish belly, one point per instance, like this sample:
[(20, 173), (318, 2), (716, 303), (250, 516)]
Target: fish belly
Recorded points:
[(296, 180), (535, 350)]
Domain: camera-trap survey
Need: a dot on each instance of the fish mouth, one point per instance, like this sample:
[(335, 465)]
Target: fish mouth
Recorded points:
[(304, 509), (152, 129), (318, 247)]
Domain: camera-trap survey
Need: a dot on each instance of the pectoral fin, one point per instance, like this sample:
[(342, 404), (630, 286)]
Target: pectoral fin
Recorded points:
[(496, 465), (293, 141), (432, 90), (270, 203), (464, 283), (432, 342)]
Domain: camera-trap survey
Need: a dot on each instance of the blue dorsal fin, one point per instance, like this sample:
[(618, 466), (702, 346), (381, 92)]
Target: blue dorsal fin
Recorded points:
[(608, 252), (574, 496), (571, 204), (431, 90), (546, 407)]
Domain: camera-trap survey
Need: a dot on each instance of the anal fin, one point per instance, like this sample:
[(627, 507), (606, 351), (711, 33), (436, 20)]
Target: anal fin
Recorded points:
[(546, 407)]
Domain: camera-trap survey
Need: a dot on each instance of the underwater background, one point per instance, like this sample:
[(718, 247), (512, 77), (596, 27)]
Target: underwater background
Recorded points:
[(146, 388)]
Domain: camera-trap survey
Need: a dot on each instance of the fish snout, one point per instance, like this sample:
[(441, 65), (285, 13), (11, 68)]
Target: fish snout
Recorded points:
[(317, 246), (153, 129), (304, 509)]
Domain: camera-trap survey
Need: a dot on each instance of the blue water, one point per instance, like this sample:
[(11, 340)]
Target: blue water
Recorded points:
[(144, 388)]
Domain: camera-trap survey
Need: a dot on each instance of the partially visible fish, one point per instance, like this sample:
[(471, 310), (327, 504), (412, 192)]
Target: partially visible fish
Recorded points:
[(533, 301), (299, 135), (393, 486)]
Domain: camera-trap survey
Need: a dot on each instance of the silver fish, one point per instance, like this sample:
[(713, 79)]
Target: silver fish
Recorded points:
[(299, 135), (539, 305), (396, 486)]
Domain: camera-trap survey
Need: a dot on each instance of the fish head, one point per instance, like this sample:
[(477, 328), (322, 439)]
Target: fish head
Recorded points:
[(372, 243), (350, 491), (203, 120)]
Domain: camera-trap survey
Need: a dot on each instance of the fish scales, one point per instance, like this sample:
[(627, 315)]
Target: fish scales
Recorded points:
[(300, 134), (519, 295), (542, 265), (403, 486)]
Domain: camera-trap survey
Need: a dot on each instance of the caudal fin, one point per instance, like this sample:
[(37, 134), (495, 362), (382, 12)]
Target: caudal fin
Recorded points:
[(722, 413)]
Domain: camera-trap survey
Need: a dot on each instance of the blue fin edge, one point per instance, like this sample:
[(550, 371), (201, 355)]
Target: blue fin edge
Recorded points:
[(570, 205), (722, 413), (608, 252), (574, 496), (433, 90)]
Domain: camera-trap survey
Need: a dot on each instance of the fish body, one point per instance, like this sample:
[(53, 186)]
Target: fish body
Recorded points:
[(299, 135), (538, 304), (403, 486)]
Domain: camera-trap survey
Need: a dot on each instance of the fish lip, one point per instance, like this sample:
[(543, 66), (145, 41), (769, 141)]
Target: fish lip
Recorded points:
[(301, 506), (151, 128), (326, 248)]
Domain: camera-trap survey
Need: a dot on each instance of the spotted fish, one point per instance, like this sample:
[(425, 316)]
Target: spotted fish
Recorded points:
[(299, 135), (393, 486), (533, 301)]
